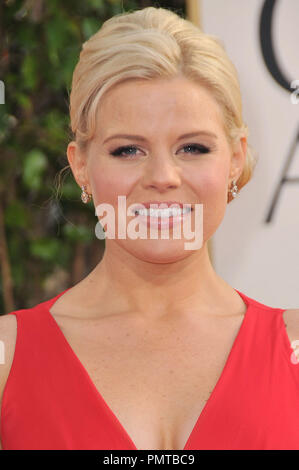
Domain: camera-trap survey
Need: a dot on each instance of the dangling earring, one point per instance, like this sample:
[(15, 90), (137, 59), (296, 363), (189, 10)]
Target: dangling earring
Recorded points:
[(234, 189), (85, 197)]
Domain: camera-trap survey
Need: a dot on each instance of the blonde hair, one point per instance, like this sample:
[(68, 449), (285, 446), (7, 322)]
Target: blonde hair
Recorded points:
[(155, 43)]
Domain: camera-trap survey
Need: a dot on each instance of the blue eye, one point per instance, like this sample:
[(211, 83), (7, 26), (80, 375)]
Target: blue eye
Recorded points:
[(199, 148), (122, 150), (119, 151)]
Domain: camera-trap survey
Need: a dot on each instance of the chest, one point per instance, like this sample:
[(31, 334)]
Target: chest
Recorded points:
[(156, 380)]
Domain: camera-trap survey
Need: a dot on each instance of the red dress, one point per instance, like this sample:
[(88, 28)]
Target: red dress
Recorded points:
[(50, 402)]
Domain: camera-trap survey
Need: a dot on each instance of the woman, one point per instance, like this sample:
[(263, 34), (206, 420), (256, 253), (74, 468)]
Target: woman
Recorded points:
[(153, 350)]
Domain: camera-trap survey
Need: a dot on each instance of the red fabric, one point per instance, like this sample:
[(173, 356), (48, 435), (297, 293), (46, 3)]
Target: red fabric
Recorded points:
[(50, 402)]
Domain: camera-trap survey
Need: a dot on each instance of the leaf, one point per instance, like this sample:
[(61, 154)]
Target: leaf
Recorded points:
[(98, 5), (16, 215), (55, 33), (35, 163), (70, 190), (29, 72), (45, 248), (90, 26), (78, 233), (23, 100), (70, 57), (55, 123)]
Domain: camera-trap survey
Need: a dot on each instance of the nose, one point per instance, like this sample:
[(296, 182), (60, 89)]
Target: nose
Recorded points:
[(161, 173)]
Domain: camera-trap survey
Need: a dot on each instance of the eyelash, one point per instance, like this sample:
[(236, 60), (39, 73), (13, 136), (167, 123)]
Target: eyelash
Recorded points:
[(117, 152)]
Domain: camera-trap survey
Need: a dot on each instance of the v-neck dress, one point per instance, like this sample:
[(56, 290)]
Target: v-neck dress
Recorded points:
[(50, 402)]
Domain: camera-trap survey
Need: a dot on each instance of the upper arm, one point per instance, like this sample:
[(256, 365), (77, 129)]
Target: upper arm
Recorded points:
[(8, 335)]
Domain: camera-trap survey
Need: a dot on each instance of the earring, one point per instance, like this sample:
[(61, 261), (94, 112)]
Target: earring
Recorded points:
[(234, 189), (85, 197)]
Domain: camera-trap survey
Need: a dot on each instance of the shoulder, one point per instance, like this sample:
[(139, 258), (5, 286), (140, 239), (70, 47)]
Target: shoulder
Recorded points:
[(8, 336), (291, 321), (290, 317)]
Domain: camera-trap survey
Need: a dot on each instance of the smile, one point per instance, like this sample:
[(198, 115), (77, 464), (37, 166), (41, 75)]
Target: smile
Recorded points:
[(162, 212)]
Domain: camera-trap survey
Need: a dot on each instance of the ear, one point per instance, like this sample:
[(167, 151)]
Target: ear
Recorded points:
[(238, 158), (77, 161)]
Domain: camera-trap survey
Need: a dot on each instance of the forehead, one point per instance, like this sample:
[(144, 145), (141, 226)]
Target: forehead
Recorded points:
[(178, 100)]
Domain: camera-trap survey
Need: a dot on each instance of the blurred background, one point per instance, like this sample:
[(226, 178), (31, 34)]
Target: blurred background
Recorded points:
[(255, 248), (46, 240)]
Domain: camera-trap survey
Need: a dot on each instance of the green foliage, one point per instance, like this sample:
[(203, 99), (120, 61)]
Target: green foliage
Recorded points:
[(34, 166), (46, 249), (79, 233), (39, 48), (16, 215)]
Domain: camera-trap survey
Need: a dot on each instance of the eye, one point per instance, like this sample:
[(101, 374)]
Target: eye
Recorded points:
[(120, 150), (198, 147), (126, 151)]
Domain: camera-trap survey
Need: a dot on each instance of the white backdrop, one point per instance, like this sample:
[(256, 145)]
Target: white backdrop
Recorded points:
[(257, 257)]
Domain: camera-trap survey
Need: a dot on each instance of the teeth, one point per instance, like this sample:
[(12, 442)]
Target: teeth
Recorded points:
[(162, 212)]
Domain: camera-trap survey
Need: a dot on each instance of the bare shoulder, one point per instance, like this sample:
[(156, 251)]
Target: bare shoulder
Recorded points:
[(8, 335), (291, 321)]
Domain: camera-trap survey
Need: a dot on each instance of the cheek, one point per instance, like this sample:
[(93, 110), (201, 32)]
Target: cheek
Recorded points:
[(209, 184), (107, 184), (210, 187)]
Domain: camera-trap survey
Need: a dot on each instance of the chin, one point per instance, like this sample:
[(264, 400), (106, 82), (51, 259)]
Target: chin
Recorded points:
[(158, 251)]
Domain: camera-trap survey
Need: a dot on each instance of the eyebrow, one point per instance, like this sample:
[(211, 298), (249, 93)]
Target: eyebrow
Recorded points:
[(143, 139)]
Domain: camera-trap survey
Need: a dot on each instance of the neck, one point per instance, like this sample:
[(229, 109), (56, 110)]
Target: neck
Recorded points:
[(128, 284)]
